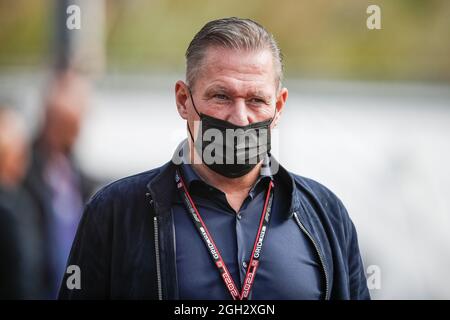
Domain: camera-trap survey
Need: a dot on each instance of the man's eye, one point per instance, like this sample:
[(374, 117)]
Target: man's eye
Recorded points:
[(220, 97), (257, 101)]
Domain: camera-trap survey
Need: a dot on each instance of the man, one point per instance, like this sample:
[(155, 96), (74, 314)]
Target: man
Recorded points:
[(57, 185), (222, 220), (21, 245)]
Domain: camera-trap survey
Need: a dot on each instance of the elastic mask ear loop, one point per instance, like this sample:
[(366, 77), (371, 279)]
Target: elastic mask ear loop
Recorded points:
[(274, 115), (195, 108), (192, 100)]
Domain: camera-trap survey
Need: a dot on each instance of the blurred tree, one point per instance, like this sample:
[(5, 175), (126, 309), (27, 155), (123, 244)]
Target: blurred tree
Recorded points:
[(323, 38)]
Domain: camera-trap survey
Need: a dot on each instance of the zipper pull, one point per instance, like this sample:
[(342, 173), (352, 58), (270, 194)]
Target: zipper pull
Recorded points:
[(150, 196)]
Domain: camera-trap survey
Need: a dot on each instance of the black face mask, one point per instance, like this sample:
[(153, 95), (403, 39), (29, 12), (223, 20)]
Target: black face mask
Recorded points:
[(228, 149)]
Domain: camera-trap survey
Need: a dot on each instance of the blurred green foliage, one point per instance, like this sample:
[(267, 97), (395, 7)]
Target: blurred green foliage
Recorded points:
[(319, 39)]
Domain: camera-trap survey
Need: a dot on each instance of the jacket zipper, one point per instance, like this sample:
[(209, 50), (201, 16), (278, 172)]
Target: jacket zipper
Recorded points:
[(157, 255), (302, 227), (158, 263)]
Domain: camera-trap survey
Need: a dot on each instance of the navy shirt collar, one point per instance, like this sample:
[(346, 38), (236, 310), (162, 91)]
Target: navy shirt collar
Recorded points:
[(195, 183), (282, 176)]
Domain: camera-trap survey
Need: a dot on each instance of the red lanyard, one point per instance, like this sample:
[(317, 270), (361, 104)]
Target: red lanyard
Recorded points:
[(214, 251)]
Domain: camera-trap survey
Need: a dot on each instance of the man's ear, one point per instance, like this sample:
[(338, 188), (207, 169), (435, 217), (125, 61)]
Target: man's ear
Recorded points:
[(181, 98), (279, 105)]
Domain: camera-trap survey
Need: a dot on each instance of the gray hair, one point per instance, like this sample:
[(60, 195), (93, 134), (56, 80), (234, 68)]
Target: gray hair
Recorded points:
[(232, 33)]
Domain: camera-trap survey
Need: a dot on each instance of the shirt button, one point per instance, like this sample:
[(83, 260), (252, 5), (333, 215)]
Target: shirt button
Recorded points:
[(244, 264)]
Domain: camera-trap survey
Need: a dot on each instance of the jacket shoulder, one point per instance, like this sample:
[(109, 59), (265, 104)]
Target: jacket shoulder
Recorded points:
[(123, 191), (323, 197)]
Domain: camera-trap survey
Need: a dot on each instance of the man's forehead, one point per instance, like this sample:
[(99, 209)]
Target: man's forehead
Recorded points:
[(220, 57), (233, 70)]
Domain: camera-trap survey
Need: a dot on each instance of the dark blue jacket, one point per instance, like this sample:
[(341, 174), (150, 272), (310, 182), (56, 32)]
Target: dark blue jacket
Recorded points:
[(125, 244)]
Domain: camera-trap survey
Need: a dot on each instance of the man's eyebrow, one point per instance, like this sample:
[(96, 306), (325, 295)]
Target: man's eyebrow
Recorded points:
[(217, 88), (259, 93), (222, 89)]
